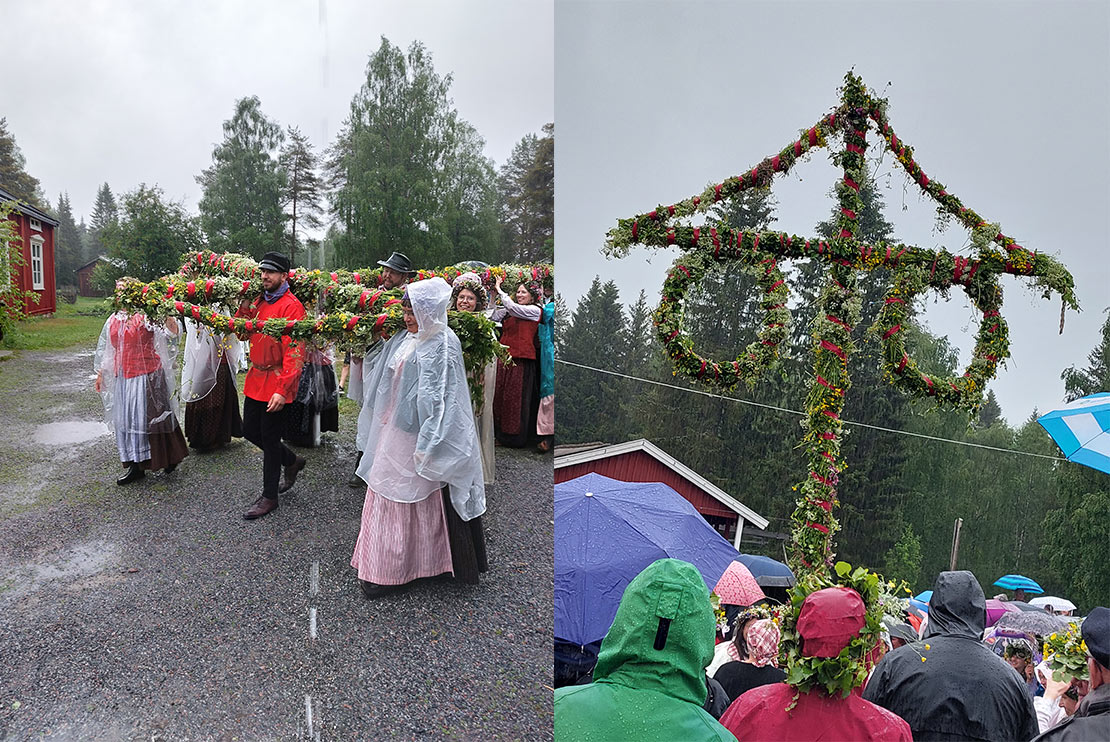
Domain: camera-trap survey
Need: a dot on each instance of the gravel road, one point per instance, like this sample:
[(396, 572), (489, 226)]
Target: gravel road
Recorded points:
[(155, 612)]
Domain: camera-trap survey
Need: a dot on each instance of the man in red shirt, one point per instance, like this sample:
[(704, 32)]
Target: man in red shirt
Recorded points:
[(271, 382)]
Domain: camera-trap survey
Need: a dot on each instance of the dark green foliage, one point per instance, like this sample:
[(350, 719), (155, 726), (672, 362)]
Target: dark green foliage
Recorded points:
[(527, 205), (406, 173), (1077, 548), (13, 178), (303, 187), (69, 253), (871, 484), (240, 210), (105, 213), (151, 237), (990, 412), (595, 336), (903, 560)]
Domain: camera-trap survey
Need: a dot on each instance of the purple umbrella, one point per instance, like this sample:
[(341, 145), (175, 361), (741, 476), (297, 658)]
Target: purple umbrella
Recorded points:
[(996, 609), (606, 532)]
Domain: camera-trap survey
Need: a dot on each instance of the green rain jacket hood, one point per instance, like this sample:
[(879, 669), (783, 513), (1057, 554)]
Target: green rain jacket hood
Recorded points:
[(641, 691)]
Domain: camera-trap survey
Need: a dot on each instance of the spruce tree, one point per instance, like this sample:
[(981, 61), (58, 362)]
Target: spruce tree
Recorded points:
[(68, 250), (870, 487), (304, 188), (13, 176), (595, 337), (105, 214), (241, 206)]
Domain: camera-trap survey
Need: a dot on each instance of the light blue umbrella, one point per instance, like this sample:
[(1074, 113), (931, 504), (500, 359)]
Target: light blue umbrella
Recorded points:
[(1080, 429), (1018, 582), (924, 596)]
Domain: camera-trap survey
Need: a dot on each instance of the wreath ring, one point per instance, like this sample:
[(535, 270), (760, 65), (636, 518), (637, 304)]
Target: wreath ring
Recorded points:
[(991, 343), (689, 269)]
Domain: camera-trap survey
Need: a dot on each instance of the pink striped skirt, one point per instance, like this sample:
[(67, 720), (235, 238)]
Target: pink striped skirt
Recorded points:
[(399, 542)]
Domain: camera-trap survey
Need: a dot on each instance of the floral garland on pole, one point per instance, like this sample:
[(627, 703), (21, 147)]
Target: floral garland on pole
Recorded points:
[(350, 308), (914, 270)]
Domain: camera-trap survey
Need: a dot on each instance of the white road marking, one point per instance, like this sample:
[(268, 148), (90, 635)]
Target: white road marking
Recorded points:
[(312, 623)]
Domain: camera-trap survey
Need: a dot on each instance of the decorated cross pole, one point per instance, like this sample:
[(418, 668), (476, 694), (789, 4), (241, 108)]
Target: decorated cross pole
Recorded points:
[(914, 270)]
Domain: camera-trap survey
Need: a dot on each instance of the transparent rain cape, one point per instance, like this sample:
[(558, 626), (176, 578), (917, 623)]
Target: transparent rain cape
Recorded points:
[(418, 415), (203, 350), (128, 344)]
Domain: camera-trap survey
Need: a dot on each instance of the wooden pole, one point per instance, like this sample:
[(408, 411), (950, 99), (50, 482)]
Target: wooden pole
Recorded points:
[(955, 543)]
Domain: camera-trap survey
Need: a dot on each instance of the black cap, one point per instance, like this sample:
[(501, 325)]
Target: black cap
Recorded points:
[(398, 262), (1096, 632), (274, 261)]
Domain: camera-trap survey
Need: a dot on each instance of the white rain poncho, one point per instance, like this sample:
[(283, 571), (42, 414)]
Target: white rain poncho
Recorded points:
[(203, 350), (418, 415), (134, 364)]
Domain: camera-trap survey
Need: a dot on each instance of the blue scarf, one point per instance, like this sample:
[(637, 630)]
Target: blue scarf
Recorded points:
[(272, 297)]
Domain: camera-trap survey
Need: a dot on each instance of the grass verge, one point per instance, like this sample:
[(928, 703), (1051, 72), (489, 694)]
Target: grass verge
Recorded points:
[(72, 324)]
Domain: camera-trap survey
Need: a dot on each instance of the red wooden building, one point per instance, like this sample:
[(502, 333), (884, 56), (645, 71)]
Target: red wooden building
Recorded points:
[(642, 461), (34, 230), (84, 275)]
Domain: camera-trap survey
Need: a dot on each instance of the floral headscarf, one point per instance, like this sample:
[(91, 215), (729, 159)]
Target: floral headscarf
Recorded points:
[(762, 637)]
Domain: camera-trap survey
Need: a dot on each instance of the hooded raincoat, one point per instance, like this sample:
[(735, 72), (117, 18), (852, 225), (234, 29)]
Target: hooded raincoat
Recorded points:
[(950, 686), (649, 685), (829, 620), (418, 415)]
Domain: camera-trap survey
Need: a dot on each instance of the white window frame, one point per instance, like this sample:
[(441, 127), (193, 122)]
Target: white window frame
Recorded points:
[(36, 224), (38, 281), (6, 265)]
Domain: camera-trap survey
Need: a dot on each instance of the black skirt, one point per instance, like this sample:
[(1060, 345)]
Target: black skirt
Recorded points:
[(214, 420), (468, 543)]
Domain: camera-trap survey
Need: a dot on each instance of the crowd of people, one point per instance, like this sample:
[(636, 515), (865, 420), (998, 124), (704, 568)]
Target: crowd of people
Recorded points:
[(425, 447), (658, 675)]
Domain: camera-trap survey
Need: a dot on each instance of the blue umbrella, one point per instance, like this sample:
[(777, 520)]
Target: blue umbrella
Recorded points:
[(1018, 582), (607, 532), (1080, 429), (921, 606), (766, 571), (924, 596)]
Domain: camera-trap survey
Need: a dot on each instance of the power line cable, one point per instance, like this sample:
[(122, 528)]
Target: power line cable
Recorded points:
[(797, 412)]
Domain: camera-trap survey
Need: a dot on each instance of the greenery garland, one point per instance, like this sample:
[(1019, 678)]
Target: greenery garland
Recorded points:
[(915, 270), (757, 356), (350, 308)]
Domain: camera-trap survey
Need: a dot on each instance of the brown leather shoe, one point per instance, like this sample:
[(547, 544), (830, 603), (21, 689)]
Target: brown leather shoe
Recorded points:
[(291, 473), (260, 507)]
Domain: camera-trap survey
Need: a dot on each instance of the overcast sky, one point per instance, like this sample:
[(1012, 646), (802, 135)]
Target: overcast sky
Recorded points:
[(1005, 103), (126, 92)]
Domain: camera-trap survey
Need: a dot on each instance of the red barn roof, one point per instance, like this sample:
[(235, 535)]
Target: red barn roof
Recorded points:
[(642, 461)]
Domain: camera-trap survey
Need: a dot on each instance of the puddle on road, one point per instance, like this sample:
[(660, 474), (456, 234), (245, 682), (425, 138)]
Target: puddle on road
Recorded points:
[(68, 433), (70, 564), (80, 560)]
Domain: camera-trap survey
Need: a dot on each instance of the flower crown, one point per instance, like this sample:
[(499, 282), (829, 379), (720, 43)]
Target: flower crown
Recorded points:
[(472, 283)]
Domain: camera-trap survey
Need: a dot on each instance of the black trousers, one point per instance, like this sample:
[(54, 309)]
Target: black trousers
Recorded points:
[(264, 430)]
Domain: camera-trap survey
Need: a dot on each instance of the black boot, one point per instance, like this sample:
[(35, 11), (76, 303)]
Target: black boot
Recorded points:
[(355, 481), (132, 474)]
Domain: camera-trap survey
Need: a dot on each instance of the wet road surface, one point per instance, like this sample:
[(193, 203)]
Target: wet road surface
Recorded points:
[(154, 611)]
